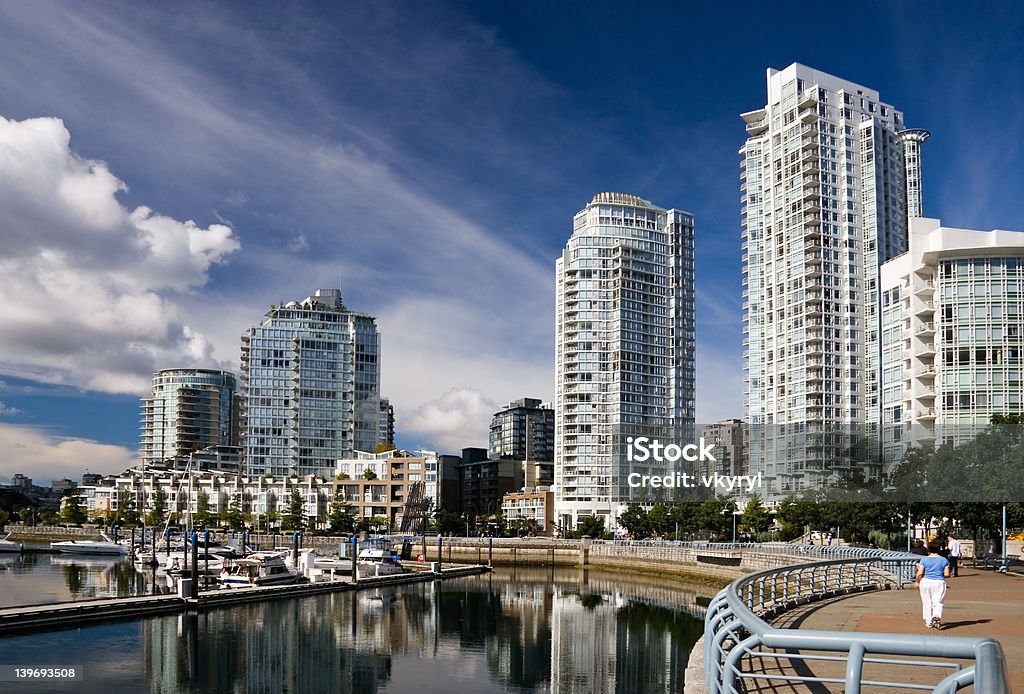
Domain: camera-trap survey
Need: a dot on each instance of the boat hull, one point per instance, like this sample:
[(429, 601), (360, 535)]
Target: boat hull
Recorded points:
[(88, 547)]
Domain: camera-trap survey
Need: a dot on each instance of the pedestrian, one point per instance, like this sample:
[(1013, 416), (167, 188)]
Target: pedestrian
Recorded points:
[(932, 572), (829, 536), (919, 548), (955, 552)]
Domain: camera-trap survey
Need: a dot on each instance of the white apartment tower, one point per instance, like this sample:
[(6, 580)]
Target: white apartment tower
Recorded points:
[(952, 336), (824, 193), (624, 349), (311, 374), (189, 410)]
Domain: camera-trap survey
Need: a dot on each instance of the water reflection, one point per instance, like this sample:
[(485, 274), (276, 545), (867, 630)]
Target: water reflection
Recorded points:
[(565, 631), (525, 630)]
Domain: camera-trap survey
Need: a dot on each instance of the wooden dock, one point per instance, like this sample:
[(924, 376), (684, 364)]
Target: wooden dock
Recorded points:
[(76, 614)]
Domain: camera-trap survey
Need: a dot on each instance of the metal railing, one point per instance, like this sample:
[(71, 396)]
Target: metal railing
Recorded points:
[(736, 633)]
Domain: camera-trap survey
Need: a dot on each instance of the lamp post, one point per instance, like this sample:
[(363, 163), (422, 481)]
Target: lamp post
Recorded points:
[(1004, 565), (734, 512)]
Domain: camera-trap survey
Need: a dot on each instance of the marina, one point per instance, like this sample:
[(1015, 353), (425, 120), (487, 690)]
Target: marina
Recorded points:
[(529, 628)]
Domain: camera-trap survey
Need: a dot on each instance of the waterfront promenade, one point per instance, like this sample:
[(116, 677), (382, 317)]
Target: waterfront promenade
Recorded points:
[(979, 604)]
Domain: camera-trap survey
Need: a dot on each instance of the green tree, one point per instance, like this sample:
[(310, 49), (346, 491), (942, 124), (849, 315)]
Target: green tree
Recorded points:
[(158, 514), (234, 517), (384, 447), (634, 519), (682, 515), (127, 514), (369, 474), (659, 520), (4, 515), (449, 522), (710, 521), (755, 518), (203, 515), (295, 516), (48, 516), (72, 512), (591, 526), (340, 519)]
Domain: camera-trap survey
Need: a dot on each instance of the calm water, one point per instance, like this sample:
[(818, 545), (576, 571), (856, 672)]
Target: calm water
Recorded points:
[(525, 630)]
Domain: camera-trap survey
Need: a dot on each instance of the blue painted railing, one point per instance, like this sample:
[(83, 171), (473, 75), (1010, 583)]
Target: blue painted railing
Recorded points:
[(736, 634)]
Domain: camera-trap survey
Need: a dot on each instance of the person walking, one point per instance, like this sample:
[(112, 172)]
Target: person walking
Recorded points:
[(932, 572), (955, 552)]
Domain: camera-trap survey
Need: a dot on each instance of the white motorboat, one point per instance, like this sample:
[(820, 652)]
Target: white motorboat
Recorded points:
[(104, 546), (378, 562), (257, 569), (209, 562), (8, 546)]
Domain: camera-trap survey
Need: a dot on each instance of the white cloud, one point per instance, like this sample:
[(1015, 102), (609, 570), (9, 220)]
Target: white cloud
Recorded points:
[(5, 410), (91, 289), (42, 456), (459, 418)]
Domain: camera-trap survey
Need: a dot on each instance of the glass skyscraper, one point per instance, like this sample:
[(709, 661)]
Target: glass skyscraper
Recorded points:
[(624, 349), (188, 410), (825, 202), (952, 336), (311, 376)]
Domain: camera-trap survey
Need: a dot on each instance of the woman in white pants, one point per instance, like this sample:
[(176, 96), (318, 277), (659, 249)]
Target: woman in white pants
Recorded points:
[(932, 572)]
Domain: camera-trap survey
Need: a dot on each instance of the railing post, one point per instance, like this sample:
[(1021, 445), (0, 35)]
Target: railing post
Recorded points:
[(854, 668)]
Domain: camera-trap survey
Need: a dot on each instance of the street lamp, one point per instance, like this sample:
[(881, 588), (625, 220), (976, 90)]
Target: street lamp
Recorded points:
[(726, 511)]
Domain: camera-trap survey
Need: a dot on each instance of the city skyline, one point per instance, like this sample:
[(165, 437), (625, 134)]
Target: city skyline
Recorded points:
[(380, 151)]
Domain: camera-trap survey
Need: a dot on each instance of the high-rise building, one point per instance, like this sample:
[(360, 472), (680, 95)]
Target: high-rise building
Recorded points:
[(624, 350), (189, 410), (311, 374), (824, 191), (523, 430), (386, 423), (729, 440), (951, 336)]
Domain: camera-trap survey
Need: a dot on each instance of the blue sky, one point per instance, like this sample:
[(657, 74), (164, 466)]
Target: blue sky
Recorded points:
[(428, 156)]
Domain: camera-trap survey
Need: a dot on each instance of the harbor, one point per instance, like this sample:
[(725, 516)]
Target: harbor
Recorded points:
[(77, 614), (196, 573), (522, 627)]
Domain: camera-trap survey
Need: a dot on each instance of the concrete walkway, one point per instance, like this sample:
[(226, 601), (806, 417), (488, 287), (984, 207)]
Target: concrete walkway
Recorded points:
[(978, 603)]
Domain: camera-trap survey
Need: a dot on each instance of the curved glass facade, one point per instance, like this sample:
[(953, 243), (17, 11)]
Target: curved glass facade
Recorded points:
[(189, 409)]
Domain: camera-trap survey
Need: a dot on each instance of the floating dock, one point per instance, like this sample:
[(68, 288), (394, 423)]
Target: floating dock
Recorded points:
[(76, 614)]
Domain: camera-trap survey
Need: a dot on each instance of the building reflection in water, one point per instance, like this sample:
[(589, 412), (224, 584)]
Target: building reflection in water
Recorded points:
[(529, 630)]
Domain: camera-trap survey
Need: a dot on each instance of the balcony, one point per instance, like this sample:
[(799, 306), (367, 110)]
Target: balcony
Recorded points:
[(925, 328), (926, 287), (925, 413), (925, 373), (923, 308), (758, 128), (809, 156)]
